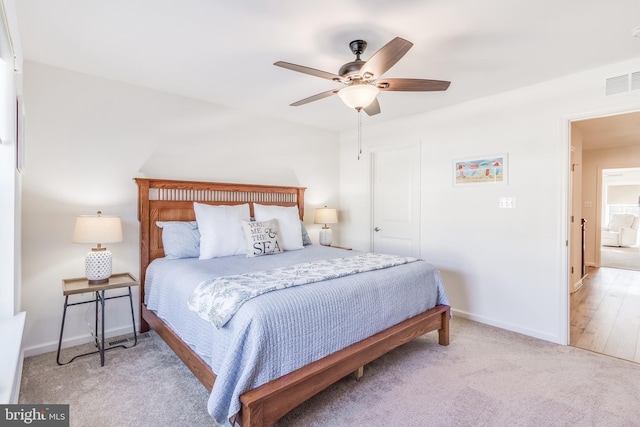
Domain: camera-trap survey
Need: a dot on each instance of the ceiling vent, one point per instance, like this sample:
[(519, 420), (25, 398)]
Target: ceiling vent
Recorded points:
[(622, 84), (635, 80)]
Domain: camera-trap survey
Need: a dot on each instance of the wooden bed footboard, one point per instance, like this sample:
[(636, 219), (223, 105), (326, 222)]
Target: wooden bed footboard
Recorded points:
[(170, 200), (264, 405)]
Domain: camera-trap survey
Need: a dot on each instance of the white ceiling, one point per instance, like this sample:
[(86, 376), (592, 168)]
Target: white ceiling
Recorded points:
[(222, 51)]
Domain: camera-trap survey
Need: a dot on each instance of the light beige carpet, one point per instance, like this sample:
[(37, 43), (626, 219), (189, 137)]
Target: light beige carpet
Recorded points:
[(485, 377), (624, 258)]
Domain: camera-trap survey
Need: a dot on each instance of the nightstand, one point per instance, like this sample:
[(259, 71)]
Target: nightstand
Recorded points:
[(81, 286)]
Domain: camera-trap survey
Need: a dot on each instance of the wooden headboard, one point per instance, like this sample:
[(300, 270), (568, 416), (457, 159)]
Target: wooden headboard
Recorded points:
[(172, 200)]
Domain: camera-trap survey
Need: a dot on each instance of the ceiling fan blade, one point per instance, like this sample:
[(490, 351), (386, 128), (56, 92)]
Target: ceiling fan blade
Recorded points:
[(373, 108), (386, 57), (310, 71), (412, 85), (315, 97)]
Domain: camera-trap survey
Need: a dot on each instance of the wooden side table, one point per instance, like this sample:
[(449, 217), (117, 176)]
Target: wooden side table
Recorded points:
[(80, 286)]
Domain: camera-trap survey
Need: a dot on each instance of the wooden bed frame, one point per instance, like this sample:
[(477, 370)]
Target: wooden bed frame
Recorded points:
[(171, 200)]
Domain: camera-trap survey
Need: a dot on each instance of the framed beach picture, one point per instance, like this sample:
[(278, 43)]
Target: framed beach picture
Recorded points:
[(480, 170)]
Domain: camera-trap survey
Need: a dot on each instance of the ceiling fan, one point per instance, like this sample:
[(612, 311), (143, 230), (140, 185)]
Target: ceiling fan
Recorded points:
[(362, 79)]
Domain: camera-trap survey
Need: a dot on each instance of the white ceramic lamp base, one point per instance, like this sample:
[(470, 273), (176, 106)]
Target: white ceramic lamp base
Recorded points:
[(326, 236), (97, 266)]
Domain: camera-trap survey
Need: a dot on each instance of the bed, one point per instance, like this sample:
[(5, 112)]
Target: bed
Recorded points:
[(263, 401)]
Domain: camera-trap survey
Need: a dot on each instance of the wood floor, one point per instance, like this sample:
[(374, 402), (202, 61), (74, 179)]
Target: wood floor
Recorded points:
[(605, 313)]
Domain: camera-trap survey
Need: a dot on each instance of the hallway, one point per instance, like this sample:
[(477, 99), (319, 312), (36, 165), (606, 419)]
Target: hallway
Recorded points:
[(605, 313)]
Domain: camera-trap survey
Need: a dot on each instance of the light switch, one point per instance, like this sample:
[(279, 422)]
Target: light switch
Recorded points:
[(587, 204), (507, 202)]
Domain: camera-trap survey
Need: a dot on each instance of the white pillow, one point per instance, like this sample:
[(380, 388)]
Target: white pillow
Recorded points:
[(288, 222), (220, 229), (263, 237)]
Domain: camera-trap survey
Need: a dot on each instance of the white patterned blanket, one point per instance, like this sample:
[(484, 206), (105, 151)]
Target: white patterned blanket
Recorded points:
[(217, 300)]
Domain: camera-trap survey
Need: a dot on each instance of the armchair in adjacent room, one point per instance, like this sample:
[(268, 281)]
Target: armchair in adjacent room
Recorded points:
[(621, 231)]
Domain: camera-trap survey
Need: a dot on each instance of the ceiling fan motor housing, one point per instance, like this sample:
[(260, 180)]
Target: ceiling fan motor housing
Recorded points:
[(351, 69)]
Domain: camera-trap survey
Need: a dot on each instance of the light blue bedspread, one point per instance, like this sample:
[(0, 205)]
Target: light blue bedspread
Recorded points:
[(265, 338), (217, 300)]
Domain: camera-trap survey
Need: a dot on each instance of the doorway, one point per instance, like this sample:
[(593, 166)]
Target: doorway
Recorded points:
[(603, 310)]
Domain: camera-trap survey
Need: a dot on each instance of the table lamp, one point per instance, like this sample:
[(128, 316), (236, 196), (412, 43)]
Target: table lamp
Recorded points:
[(326, 216), (97, 229)]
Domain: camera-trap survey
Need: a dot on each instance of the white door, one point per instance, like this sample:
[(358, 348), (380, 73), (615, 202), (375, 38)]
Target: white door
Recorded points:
[(396, 201)]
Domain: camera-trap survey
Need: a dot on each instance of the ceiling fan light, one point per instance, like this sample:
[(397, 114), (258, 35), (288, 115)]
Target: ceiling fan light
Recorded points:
[(358, 96)]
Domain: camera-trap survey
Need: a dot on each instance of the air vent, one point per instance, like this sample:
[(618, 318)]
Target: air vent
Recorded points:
[(622, 84), (635, 80), (616, 85)]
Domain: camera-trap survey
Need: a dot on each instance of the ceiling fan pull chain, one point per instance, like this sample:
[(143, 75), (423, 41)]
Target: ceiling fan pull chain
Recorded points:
[(359, 132)]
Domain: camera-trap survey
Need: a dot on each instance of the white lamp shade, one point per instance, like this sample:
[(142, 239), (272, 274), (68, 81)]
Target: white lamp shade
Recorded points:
[(97, 229), (326, 216), (358, 95)]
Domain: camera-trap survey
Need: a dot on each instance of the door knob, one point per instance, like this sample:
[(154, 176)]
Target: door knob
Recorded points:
[(377, 229)]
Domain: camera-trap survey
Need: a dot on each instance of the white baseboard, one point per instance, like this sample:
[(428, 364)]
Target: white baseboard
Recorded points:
[(15, 395), (73, 341), (508, 326), (578, 285)]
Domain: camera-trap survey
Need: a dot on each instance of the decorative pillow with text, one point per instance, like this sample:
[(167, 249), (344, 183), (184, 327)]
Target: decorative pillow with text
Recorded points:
[(263, 237)]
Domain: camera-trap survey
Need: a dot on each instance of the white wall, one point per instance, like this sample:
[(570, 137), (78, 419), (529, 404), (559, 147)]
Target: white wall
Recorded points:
[(10, 88), (505, 267), (623, 194), (7, 189), (89, 137)]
